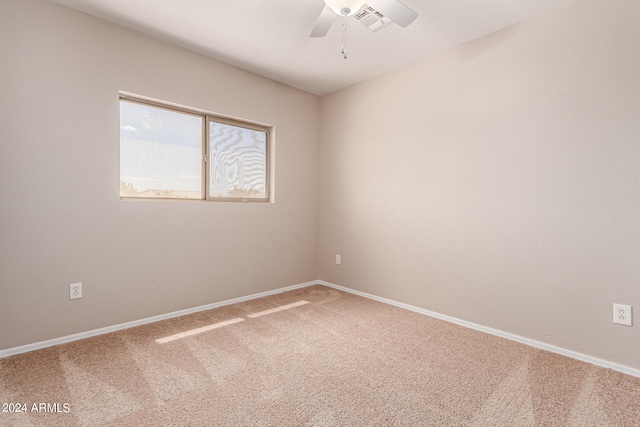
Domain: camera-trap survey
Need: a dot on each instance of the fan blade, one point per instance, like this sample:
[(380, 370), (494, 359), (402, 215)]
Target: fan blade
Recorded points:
[(326, 18), (394, 10)]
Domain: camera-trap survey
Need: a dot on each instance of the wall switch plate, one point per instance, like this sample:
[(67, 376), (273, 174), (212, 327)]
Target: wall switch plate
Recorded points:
[(338, 259), (75, 290), (622, 314)]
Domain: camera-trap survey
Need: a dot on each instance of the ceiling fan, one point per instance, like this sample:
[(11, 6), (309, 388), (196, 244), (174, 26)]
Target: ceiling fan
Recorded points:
[(392, 9)]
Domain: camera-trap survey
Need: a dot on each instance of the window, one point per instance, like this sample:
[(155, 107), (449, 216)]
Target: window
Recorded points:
[(237, 159), (175, 153)]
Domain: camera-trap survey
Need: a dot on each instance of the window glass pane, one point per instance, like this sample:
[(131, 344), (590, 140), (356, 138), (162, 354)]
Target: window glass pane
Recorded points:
[(160, 152), (237, 162)]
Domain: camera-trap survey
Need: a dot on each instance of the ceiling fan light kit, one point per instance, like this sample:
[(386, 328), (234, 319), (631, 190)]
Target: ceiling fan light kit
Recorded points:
[(345, 7), (386, 11)]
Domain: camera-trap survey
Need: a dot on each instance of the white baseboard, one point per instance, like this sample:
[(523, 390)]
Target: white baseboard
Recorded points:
[(88, 334), (537, 344)]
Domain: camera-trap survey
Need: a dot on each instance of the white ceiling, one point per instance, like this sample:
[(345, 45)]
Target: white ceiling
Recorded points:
[(271, 37)]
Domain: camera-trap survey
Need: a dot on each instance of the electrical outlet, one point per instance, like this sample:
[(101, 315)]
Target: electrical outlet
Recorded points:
[(75, 290), (622, 314), (338, 259)]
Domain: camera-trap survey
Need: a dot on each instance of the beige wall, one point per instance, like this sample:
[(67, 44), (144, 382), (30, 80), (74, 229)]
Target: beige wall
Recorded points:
[(498, 182), (61, 220)]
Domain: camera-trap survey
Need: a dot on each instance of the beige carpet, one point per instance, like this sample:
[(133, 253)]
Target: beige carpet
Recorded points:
[(310, 357)]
